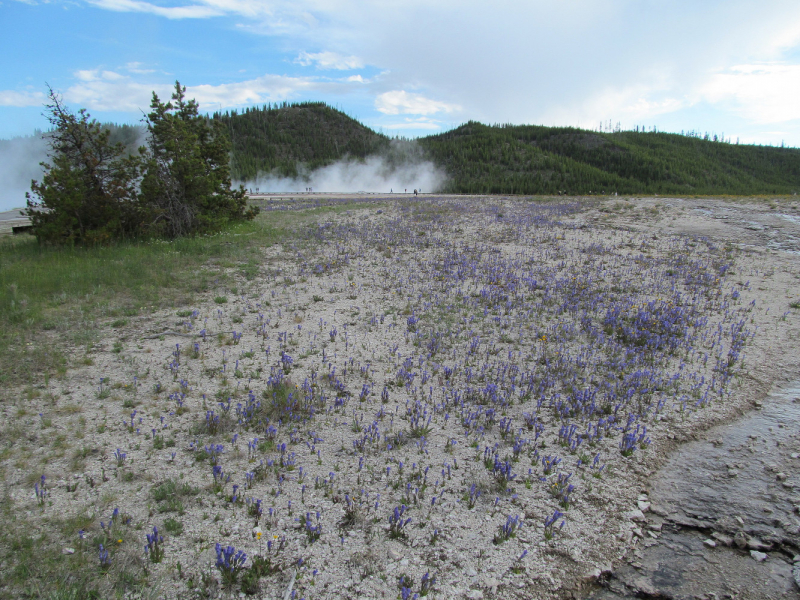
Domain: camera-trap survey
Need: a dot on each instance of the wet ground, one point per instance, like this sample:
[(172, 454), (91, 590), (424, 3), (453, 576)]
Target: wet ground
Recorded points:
[(721, 518)]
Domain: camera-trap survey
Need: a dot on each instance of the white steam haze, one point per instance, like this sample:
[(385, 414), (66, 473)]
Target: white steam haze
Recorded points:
[(19, 164), (402, 167)]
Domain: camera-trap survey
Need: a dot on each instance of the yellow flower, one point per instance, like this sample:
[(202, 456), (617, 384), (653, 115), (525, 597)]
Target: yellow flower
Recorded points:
[(119, 541), (258, 535)]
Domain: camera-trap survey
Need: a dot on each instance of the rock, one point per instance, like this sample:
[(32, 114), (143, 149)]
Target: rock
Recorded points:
[(758, 556), (474, 594), (592, 575), (657, 510), (492, 584), (256, 531), (635, 515), (740, 539), (757, 544), (471, 572), (68, 551), (643, 506), (710, 543), (723, 539), (795, 455), (781, 477), (394, 555), (740, 521)]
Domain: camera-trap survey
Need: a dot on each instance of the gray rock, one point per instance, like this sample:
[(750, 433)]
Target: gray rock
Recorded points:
[(635, 515), (740, 539), (710, 543), (474, 594), (758, 556), (723, 539)]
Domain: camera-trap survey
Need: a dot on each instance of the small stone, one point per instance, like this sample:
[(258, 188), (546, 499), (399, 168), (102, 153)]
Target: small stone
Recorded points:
[(474, 594), (635, 515), (756, 544), (781, 477), (394, 555), (404, 562), (592, 575), (471, 572), (657, 510), (740, 539), (795, 455), (723, 539), (758, 556), (68, 551), (739, 520), (710, 543), (643, 506)]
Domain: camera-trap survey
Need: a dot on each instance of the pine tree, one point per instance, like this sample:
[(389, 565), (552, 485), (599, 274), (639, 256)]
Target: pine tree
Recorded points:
[(186, 187), (88, 192)]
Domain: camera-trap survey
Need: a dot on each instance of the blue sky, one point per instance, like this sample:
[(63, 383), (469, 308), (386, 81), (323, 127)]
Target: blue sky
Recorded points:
[(416, 67)]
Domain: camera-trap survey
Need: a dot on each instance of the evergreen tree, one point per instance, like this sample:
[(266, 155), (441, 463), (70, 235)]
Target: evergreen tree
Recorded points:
[(186, 186), (88, 192)]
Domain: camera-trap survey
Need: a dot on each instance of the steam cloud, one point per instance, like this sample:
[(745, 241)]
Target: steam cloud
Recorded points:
[(402, 167), (19, 163)]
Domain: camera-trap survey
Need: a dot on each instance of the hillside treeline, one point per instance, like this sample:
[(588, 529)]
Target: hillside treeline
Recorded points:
[(278, 139), (525, 159), (514, 159)]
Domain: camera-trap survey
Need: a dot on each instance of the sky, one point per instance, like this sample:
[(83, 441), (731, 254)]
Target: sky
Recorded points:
[(416, 67)]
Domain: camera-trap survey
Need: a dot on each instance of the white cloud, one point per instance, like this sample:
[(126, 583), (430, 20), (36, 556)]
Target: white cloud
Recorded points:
[(762, 93), (13, 98), (136, 67), (330, 60), (110, 91), (195, 11), (413, 125), (357, 79), (401, 102)]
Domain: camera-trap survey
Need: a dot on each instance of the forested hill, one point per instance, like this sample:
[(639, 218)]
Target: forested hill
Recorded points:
[(515, 159), (525, 159), (277, 138)]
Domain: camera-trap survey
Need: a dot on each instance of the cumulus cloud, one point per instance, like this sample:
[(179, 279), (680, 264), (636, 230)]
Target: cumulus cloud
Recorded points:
[(401, 102), (762, 93), (330, 60), (194, 11), (109, 91), (14, 98)]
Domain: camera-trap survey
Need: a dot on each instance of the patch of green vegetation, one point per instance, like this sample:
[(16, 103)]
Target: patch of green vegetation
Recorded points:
[(69, 289), (173, 526)]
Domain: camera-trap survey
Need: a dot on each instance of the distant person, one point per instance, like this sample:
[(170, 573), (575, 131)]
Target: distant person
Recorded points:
[(415, 191), (405, 191)]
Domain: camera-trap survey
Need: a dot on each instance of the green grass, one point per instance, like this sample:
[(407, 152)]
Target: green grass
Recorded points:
[(54, 297)]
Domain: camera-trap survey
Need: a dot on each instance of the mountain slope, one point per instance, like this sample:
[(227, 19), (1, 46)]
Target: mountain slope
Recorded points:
[(285, 140), (278, 139)]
